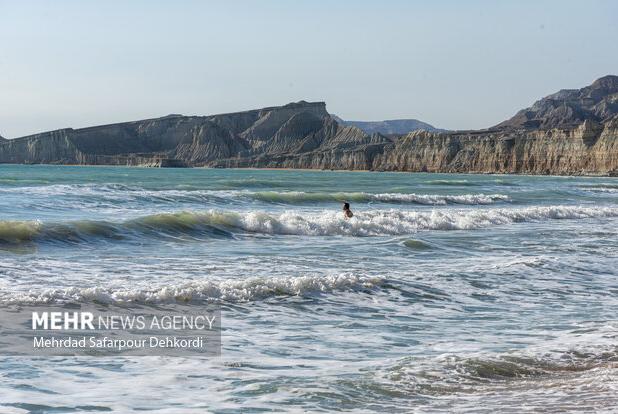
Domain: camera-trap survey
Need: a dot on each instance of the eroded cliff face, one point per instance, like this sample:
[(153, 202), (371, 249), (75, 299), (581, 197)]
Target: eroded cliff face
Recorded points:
[(587, 149), (48, 147), (197, 140), (570, 107), (571, 132)]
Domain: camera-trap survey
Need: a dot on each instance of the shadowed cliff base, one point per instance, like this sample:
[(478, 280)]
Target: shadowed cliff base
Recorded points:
[(571, 132)]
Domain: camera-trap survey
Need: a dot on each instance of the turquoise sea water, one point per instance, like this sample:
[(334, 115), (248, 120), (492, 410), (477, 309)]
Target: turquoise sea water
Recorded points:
[(465, 293)]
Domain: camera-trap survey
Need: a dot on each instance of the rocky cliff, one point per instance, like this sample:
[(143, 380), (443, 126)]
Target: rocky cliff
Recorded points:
[(570, 107), (194, 140), (570, 132), (589, 149)]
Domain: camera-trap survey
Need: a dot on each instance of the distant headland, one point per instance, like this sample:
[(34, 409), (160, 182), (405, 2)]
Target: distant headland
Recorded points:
[(571, 132)]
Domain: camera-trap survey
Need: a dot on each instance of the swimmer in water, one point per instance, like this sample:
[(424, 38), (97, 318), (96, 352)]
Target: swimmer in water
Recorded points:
[(347, 213)]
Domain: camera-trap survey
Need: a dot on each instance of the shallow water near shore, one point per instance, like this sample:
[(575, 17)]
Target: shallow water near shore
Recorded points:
[(444, 292)]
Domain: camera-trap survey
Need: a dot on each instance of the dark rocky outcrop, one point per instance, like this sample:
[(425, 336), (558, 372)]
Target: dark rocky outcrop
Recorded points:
[(570, 132)]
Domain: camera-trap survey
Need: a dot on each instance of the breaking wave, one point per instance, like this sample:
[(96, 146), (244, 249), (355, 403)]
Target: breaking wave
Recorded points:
[(600, 188), (218, 223), (428, 199), (606, 185), (245, 290), (455, 374), (123, 193), (81, 231)]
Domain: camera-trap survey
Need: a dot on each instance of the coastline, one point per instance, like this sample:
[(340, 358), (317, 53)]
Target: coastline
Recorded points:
[(473, 173)]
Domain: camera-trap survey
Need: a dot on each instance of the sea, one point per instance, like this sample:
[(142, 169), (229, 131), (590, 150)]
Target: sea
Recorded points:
[(443, 293)]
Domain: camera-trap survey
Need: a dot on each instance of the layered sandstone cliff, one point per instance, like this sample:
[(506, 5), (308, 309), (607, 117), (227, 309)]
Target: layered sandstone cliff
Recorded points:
[(571, 132), (587, 149)]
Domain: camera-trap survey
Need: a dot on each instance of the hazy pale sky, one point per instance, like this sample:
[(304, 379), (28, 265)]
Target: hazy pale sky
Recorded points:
[(454, 64)]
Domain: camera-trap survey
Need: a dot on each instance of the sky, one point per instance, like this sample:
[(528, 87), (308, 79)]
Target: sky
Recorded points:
[(453, 64)]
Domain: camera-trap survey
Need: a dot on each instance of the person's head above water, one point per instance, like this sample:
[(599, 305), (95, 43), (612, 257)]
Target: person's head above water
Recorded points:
[(347, 213)]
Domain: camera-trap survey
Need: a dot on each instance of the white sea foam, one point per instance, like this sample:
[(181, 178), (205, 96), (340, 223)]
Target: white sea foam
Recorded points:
[(326, 223), (485, 372), (443, 199), (429, 199), (120, 192), (397, 222), (243, 290), (603, 190)]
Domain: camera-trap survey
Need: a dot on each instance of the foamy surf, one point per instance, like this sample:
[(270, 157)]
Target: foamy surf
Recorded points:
[(452, 373), (245, 290), (508, 318), (217, 223), (393, 222), (360, 197), (601, 189), (120, 192)]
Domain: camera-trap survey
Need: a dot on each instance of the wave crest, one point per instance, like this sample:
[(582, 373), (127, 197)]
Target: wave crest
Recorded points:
[(218, 223), (367, 223), (361, 197), (122, 193), (447, 374), (245, 290)]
